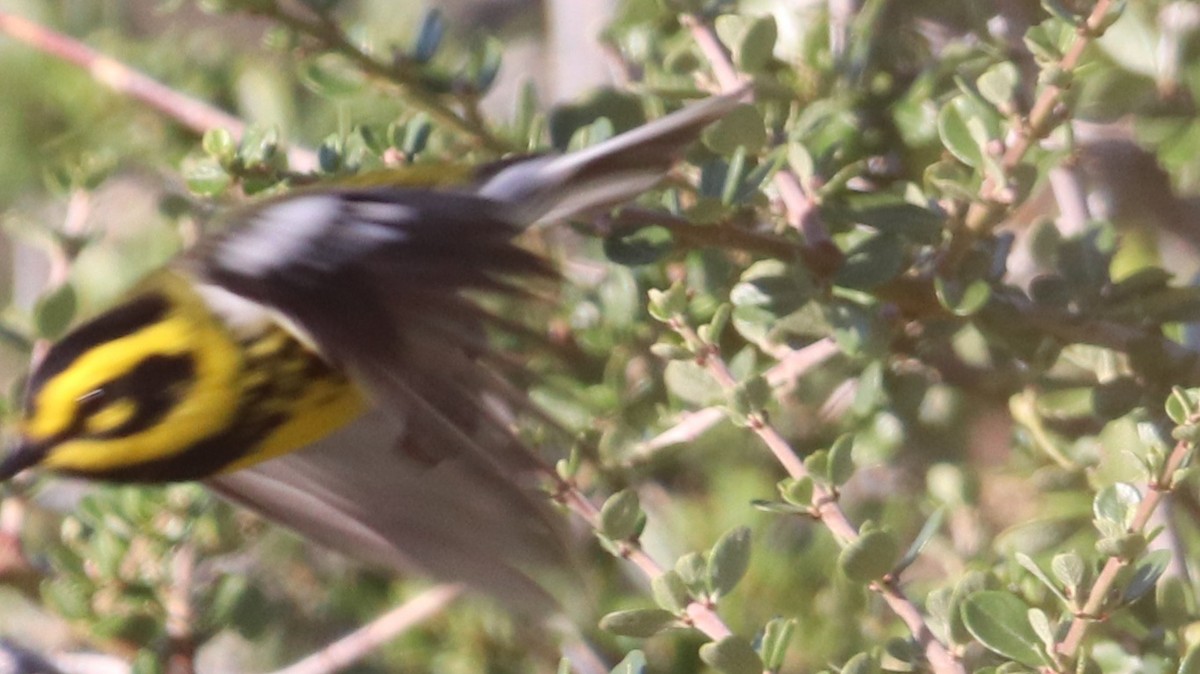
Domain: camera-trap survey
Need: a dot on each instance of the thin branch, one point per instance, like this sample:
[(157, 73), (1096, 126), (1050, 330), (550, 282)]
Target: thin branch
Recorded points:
[(800, 206), (184, 110), (691, 426), (803, 213), (690, 235), (1098, 596), (362, 641), (826, 507), (1042, 119), (793, 364), (325, 30), (700, 614)]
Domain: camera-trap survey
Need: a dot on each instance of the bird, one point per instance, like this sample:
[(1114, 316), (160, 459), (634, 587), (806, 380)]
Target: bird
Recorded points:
[(323, 360)]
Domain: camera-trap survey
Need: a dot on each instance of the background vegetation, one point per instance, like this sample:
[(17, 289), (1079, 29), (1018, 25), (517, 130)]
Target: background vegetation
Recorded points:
[(893, 374)]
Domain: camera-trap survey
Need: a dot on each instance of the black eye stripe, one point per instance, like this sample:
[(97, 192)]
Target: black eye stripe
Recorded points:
[(153, 386), (124, 320)]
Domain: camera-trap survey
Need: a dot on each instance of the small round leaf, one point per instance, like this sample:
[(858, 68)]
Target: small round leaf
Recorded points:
[(871, 556), (642, 622), (728, 561), (732, 655), (999, 620), (620, 515)]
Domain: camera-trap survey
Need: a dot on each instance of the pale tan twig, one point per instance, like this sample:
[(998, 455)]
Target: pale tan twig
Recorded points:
[(793, 364), (1098, 595), (362, 641), (1043, 117), (803, 213), (700, 614), (325, 30), (800, 207), (826, 507), (189, 112)]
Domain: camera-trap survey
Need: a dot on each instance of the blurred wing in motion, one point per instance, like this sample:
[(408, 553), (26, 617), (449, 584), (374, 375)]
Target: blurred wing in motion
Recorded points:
[(379, 280)]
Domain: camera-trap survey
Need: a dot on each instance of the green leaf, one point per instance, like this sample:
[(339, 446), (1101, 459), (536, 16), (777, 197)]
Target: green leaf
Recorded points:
[(858, 330), (728, 561), (1069, 569), (741, 127), (1032, 567), (205, 176), (485, 62), (719, 321), (899, 655), (621, 515), (756, 47), (642, 622), (872, 262), (734, 175), (1117, 504), (841, 460), (956, 135), (634, 663), (774, 286), (667, 304), (1124, 546), (801, 162), (998, 84), (55, 311), (797, 491), (219, 144), (776, 637), (1146, 575), (750, 396), (1040, 623), (670, 592), (777, 507), (889, 213), (869, 557), (732, 655), (330, 75), (638, 246), (1000, 621), (692, 383), (693, 570), (671, 351), (928, 530), (429, 37), (962, 297), (861, 663), (416, 135), (816, 464)]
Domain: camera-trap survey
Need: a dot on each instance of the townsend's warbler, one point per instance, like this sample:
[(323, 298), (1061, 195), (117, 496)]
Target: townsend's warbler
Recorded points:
[(321, 362)]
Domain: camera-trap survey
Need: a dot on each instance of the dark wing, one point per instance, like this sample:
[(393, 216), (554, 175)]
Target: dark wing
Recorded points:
[(360, 492), (380, 280)]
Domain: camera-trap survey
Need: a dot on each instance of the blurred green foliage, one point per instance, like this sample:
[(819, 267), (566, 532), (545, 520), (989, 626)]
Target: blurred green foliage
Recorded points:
[(977, 330)]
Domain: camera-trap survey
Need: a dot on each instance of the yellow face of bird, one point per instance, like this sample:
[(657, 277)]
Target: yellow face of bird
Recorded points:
[(162, 389)]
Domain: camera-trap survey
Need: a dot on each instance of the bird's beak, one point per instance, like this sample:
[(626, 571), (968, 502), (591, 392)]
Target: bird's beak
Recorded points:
[(22, 456)]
